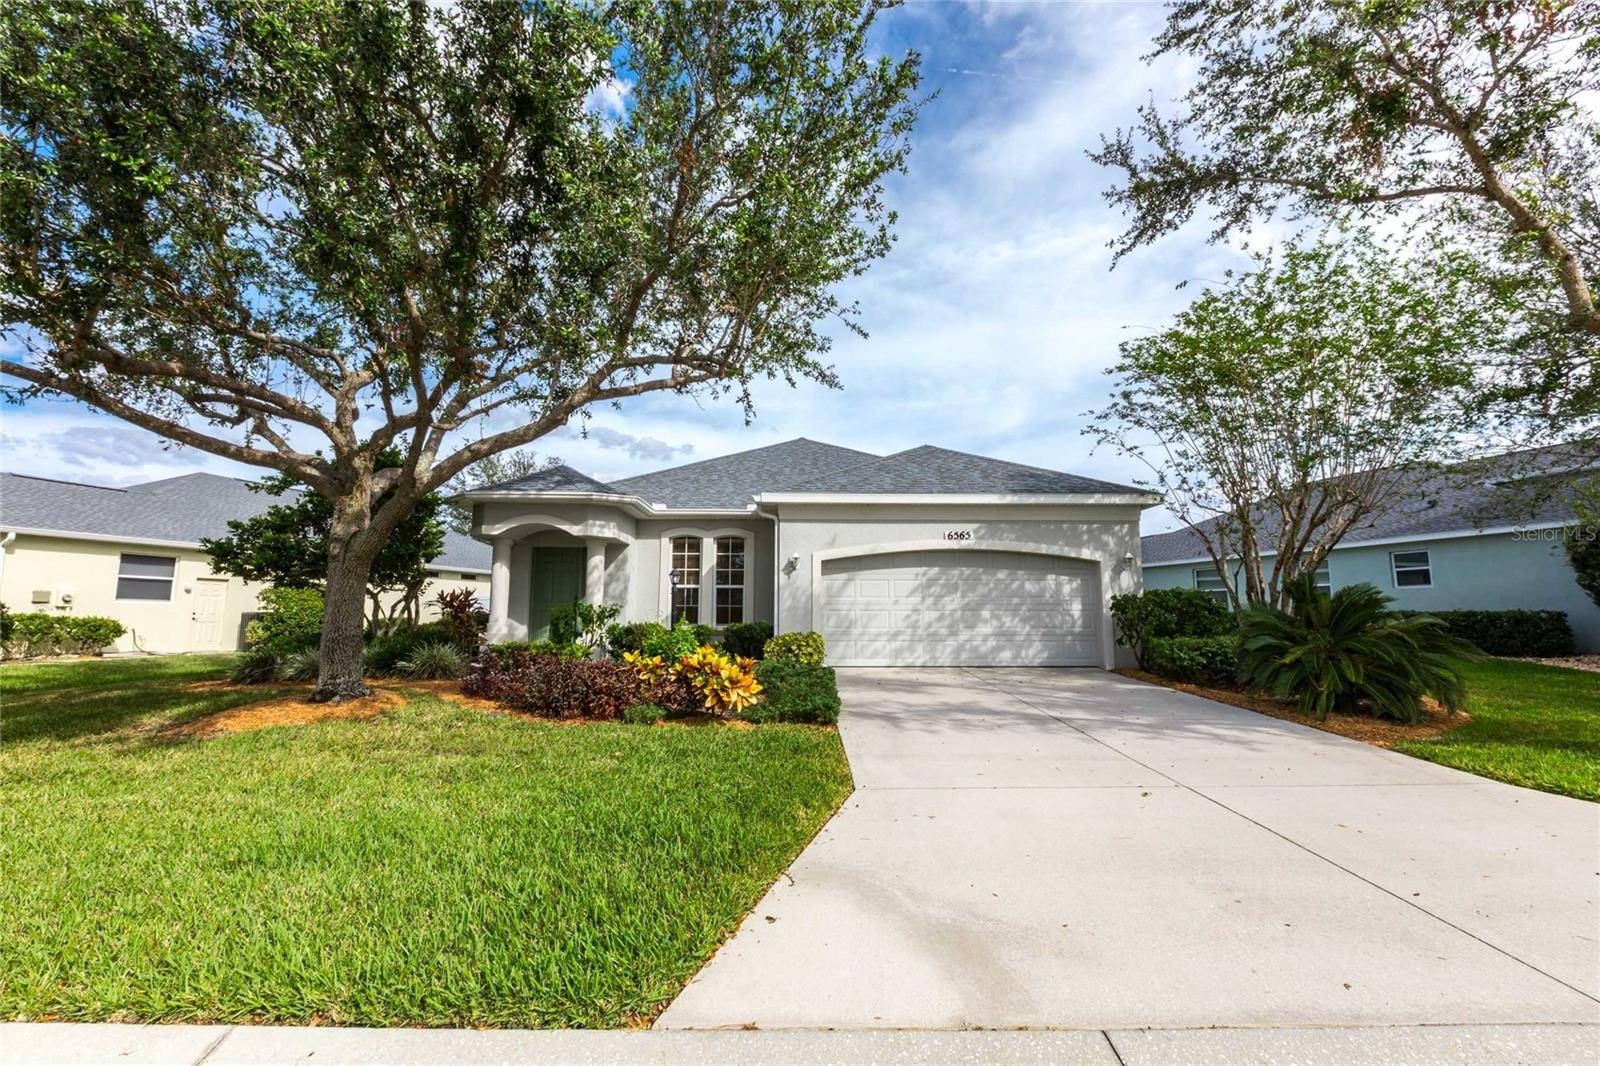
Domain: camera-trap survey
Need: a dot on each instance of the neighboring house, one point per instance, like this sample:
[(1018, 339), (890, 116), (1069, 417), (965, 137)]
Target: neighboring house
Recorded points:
[(924, 557), (133, 554), (1480, 537)]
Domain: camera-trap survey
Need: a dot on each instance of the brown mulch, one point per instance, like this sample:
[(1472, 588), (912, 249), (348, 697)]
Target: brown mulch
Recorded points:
[(1378, 731), (286, 710)]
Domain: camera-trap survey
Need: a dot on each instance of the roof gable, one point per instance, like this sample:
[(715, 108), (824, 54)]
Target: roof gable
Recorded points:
[(559, 478), (932, 470)]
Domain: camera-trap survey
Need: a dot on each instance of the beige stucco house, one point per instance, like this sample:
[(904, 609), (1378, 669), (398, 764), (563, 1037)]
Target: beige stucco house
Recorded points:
[(133, 554), (924, 557)]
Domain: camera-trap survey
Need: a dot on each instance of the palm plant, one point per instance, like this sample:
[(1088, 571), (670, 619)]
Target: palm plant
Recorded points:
[(1340, 652)]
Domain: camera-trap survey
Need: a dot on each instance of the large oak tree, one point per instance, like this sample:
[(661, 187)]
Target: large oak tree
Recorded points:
[(303, 233)]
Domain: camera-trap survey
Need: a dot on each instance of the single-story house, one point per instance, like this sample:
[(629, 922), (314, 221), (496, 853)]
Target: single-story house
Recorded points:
[(923, 557), (133, 554), (1483, 536)]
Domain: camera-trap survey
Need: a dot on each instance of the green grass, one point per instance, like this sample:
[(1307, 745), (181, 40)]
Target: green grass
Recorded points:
[(436, 866), (1532, 725)]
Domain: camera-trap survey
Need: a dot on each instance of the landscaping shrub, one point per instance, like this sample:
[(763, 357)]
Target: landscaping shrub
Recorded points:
[(5, 625), (291, 620), (795, 692), (670, 645), (558, 688), (1196, 660), (1157, 613), (747, 639), (438, 661), (459, 611), (630, 636), (644, 713), (705, 635), (256, 666), (301, 664), (1532, 634), (806, 647), (583, 623), (1347, 652), (36, 633), (704, 679), (539, 647)]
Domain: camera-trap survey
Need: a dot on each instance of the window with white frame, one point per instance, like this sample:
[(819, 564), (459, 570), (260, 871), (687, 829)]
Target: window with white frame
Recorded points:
[(1412, 570), (1322, 580), (1207, 580), (730, 580), (145, 577), (685, 578)]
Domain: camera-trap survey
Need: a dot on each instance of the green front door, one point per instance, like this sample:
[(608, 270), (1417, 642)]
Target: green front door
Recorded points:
[(557, 579)]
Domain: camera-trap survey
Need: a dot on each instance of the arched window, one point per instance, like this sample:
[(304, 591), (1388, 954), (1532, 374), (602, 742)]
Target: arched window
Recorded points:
[(685, 578), (730, 580)]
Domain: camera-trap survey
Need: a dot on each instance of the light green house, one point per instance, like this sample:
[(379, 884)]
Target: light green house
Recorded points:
[(1458, 543)]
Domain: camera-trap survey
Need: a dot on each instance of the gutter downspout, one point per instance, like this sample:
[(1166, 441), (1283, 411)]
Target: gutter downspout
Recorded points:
[(777, 563), (5, 550)]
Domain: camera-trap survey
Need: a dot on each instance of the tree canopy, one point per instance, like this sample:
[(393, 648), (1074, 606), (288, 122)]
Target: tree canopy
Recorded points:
[(301, 233), (1285, 407), (1476, 120)]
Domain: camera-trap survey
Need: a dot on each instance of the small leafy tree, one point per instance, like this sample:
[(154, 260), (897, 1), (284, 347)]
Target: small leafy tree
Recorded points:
[(300, 234), (287, 546), (1582, 542), (1285, 408)]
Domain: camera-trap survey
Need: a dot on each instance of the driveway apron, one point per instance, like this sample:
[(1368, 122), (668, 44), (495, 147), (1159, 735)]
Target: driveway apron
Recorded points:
[(1076, 849)]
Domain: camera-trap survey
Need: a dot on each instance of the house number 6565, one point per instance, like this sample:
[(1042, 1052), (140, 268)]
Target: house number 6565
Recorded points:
[(958, 534)]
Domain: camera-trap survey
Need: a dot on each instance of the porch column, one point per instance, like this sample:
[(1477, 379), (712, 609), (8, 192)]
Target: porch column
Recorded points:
[(594, 570), (500, 591)]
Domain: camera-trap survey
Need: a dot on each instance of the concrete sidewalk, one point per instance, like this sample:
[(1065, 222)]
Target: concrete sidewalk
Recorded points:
[(1074, 849), (206, 1045)]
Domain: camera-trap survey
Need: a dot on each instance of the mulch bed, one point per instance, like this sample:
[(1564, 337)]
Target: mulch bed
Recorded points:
[(1377, 731), (1590, 663)]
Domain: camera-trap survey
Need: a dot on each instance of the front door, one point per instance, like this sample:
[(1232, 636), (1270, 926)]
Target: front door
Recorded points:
[(557, 579), (206, 605)]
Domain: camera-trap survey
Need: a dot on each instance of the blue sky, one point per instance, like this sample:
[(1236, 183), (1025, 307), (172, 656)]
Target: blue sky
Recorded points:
[(990, 324)]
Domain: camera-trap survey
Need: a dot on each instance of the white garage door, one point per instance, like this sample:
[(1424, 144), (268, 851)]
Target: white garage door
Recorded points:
[(960, 608)]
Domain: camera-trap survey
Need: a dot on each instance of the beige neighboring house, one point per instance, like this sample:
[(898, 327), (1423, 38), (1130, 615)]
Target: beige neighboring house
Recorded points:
[(133, 554)]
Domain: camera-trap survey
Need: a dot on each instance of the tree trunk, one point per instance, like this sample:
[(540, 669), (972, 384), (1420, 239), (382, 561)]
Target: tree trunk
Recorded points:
[(353, 544)]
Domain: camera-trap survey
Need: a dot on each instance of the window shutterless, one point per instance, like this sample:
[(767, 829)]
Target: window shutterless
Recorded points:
[(730, 580), (145, 577), (685, 578), (1411, 569)]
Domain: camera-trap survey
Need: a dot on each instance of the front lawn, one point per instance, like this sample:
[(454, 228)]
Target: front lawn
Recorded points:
[(434, 866), (1532, 725)]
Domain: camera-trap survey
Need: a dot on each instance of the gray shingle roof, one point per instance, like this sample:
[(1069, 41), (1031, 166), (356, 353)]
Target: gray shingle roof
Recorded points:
[(1494, 491), (181, 509), (730, 481), (561, 478), (927, 469)]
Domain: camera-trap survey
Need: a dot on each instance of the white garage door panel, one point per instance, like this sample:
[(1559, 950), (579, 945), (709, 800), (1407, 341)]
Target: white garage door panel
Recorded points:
[(960, 608)]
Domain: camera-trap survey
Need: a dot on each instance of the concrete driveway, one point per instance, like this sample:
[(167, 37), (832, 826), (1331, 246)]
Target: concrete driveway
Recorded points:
[(1075, 849)]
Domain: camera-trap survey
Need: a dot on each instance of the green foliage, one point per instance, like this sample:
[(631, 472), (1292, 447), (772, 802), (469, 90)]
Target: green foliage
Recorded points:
[(1277, 394), (256, 666), (287, 544), (1196, 660), (299, 665), (503, 651), (1155, 613), (460, 611), (582, 623), (6, 624), (631, 636), (308, 235), (748, 639), (644, 714), (433, 662), (1532, 634), (795, 692), (291, 619), (385, 647), (1471, 123), (35, 633), (1582, 542), (805, 647), (1347, 651), (671, 644)]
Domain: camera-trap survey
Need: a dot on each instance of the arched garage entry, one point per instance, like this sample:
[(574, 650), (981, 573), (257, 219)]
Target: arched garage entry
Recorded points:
[(960, 608)]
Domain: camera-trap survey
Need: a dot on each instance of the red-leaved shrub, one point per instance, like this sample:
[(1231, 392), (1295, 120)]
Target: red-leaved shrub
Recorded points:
[(558, 688)]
